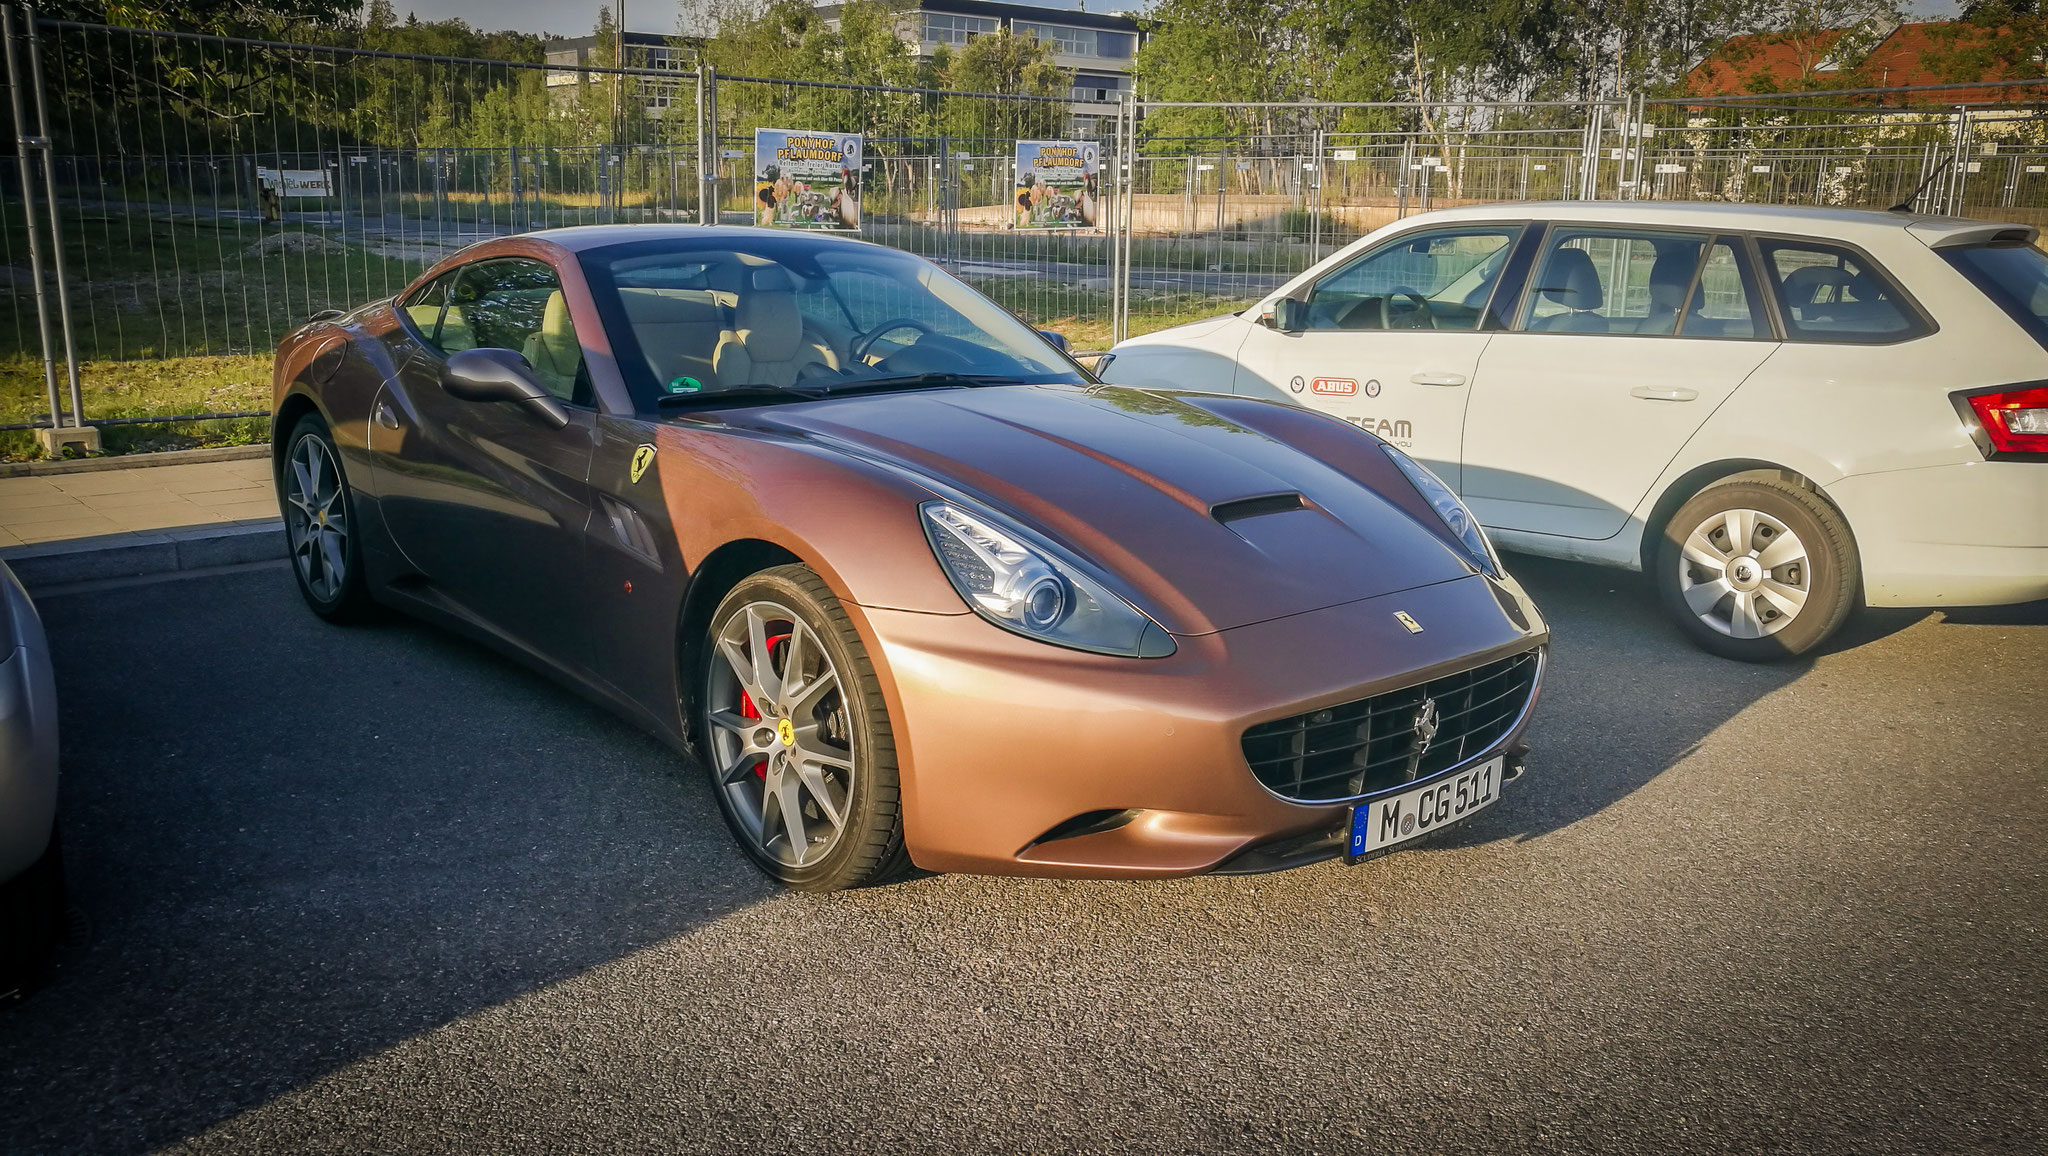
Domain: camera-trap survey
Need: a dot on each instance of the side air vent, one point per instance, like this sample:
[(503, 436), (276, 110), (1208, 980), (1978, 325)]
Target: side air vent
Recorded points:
[(1242, 508)]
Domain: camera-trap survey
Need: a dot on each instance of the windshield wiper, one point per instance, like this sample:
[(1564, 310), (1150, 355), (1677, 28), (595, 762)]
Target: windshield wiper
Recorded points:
[(919, 381), (738, 393)]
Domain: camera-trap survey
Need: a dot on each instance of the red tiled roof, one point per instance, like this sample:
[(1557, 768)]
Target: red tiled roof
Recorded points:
[(1777, 62)]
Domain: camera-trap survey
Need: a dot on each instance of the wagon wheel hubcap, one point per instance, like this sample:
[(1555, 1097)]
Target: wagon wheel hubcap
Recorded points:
[(316, 518), (1744, 573), (780, 735)]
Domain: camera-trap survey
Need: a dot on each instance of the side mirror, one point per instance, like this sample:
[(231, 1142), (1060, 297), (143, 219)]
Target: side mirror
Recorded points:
[(1288, 315), (1059, 340), (500, 375)]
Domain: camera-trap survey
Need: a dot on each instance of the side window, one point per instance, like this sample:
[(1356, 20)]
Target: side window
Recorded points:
[(1438, 279), (517, 304), (424, 307), (1724, 302), (1829, 294), (1612, 281)]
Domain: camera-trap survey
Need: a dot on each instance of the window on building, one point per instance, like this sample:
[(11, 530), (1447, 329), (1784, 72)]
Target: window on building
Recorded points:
[(1070, 41), (946, 28)]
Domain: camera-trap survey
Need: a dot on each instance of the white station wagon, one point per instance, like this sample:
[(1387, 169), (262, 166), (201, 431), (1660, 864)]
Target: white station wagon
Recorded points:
[(1777, 413)]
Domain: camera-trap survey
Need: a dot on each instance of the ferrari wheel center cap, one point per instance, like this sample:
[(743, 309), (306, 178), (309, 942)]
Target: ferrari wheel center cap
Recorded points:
[(786, 731)]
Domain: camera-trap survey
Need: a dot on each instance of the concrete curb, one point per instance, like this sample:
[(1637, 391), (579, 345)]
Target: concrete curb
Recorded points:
[(53, 564), (133, 461)]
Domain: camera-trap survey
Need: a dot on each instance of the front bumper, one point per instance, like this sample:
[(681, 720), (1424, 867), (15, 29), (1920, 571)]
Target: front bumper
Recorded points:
[(1001, 739)]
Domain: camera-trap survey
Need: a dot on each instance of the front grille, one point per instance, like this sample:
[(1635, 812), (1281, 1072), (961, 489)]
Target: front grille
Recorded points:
[(1357, 748)]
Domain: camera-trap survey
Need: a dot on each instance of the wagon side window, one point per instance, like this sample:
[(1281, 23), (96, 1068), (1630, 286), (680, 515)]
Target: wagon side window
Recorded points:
[(1827, 293), (1439, 279)]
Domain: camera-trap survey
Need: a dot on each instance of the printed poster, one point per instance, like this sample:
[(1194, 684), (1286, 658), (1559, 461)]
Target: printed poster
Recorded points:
[(806, 180), (1056, 184)]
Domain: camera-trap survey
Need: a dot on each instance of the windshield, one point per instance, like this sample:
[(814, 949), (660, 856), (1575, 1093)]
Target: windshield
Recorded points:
[(784, 318), (2014, 276)]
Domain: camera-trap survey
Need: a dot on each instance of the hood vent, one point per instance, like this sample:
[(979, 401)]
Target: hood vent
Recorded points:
[(1241, 508)]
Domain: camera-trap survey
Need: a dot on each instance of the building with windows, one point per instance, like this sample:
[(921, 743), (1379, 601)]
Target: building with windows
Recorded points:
[(643, 50), (1096, 47)]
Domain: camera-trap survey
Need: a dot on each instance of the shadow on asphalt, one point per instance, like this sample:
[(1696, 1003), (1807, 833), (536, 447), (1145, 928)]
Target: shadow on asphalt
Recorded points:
[(298, 845), (1629, 692)]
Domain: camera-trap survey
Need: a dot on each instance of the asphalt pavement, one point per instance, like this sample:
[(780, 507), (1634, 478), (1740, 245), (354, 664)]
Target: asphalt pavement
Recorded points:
[(374, 889)]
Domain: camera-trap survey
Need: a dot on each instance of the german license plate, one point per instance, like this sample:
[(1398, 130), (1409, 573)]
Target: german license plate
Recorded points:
[(1383, 823)]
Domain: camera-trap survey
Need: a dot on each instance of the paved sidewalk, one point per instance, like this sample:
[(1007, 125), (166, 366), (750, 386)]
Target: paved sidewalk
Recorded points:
[(115, 504)]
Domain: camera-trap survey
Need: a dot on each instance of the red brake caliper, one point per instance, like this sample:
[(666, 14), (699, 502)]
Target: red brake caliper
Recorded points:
[(750, 711)]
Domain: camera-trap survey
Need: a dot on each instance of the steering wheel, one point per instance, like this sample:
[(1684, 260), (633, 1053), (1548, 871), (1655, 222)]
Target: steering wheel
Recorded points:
[(1421, 303), (858, 351)]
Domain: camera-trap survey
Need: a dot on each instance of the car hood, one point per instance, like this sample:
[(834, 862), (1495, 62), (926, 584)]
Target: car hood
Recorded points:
[(1187, 331), (1129, 478)]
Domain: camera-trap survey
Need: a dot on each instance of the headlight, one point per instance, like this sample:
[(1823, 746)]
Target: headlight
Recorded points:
[(1023, 585), (1459, 520)]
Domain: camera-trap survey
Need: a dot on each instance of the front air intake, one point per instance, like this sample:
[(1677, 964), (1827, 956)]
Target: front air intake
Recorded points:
[(1373, 744)]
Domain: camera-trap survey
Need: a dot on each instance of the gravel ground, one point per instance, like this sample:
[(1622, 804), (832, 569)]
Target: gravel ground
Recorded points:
[(376, 890)]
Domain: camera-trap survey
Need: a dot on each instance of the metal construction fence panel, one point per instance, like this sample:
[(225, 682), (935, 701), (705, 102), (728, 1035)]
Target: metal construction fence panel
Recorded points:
[(176, 202)]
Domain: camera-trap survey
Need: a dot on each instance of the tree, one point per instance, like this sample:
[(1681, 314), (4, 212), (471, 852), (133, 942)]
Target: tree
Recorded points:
[(1005, 64)]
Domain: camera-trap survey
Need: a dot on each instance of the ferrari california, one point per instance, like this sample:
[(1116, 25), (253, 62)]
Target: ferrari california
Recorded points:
[(906, 581)]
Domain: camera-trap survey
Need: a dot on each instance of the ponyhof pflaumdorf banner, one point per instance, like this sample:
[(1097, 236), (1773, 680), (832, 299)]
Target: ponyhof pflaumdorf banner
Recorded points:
[(806, 180)]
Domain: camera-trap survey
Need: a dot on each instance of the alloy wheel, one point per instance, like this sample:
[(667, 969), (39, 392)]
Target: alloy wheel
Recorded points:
[(317, 518), (781, 742), (1744, 573)]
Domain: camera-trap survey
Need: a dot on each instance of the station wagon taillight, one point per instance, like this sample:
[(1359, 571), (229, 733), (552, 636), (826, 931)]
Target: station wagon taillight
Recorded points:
[(2010, 421)]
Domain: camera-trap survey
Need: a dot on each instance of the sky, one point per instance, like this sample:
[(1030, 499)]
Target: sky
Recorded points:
[(578, 17)]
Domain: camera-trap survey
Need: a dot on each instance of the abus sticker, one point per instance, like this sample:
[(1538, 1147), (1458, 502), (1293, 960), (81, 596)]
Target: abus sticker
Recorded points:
[(1333, 386)]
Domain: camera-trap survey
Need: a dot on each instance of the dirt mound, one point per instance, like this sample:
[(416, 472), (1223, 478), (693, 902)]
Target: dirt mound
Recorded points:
[(293, 243)]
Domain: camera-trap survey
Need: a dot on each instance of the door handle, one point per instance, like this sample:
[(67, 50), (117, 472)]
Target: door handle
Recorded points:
[(384, 416), (1651, 393), (1428, 378)]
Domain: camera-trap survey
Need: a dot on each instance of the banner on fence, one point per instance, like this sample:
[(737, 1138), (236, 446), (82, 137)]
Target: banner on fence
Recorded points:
[(1056, 184), (296, 182), (807, 180)]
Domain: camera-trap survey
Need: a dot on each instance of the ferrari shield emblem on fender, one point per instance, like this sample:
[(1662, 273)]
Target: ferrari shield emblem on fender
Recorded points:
[(1400, 616), (642, 458)]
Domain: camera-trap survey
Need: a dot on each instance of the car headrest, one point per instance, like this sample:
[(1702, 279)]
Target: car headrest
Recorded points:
[(1570, 279), (770, 279), (1804, 286), (767, 322), (1671, 276)]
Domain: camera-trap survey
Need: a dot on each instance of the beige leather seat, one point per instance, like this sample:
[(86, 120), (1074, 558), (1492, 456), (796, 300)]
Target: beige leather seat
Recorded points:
[(677, 330), (553, 350), (767, 344)]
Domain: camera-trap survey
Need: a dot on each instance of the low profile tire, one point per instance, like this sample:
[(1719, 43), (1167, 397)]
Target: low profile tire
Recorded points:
[(31, 922), (796, 736), (320, 524), (1757, 569)]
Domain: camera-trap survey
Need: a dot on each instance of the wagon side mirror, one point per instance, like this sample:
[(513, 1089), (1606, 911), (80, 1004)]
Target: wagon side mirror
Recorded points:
[(1288, 315), (500, 375)]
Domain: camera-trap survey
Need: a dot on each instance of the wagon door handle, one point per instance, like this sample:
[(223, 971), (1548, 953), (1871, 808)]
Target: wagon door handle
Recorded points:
[(1650, 393), (1428, 378)]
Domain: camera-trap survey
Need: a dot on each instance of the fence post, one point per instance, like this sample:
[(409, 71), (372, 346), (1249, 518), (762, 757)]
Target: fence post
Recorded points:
[(23, 143), (35, 67), (707, 146), (1113, 221), (1960, 187), (1401, 185)]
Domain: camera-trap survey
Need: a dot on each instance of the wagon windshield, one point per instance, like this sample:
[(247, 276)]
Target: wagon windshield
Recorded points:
[(788, 318)]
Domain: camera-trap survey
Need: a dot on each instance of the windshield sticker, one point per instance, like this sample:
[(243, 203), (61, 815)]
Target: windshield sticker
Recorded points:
[(642, 458), (685, 384), (807, 180)]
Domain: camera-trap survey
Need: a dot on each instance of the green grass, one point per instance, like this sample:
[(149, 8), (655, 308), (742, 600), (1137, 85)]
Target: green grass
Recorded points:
[(115, 389), (147, 287), (1082, 315)]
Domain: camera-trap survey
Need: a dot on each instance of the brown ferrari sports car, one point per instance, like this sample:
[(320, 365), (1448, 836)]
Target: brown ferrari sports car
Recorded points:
[(908, 583)]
